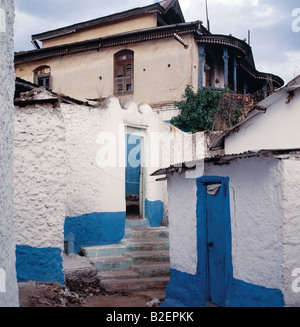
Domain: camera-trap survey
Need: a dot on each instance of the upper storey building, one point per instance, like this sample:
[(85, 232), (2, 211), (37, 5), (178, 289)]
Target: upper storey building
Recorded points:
[(148, 54)]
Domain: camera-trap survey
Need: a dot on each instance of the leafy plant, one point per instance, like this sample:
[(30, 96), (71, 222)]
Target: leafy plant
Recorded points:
[(197, 109)]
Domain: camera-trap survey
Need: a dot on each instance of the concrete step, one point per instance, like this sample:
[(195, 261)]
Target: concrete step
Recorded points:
[(152, 270), (121, 274), (144, 232), (148, 257), (141, 244), (140, 262), (104, 250), (112, 263), (131, 284)]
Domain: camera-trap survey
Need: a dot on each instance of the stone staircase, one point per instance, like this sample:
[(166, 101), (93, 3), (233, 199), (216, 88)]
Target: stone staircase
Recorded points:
[(140, 262)]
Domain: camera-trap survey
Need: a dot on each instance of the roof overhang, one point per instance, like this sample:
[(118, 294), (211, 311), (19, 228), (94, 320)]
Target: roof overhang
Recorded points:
[(169, 11), (221, 160), (143, 35)]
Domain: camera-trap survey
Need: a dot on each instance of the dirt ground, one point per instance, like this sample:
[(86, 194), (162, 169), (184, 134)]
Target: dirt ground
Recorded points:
[(82, 289), (32, 294)]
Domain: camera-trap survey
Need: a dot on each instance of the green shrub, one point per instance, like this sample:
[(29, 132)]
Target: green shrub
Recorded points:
[(197, 109)]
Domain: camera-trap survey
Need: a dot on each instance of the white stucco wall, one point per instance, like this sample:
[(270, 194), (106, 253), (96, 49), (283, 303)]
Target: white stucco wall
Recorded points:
[(95, 142), (256, 219), (277, 128), (182, 223), (39, 176), (90, 188), (95, 145), (8, 281), (291, 231)]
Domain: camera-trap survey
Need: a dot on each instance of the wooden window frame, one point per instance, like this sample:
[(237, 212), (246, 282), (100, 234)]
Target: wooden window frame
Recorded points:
[(124, 72), (40, 75)]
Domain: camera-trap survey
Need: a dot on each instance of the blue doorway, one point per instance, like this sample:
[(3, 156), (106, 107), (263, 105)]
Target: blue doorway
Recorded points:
[(133, 176)]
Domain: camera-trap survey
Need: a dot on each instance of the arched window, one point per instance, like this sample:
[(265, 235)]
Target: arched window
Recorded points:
[(123, 72), (42, 76)]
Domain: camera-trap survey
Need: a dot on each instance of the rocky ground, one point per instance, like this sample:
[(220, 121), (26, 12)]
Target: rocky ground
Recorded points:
[(82, 289), (32, 294)]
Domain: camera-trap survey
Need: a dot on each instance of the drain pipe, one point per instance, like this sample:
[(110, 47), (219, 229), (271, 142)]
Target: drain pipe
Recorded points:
[(180, 40)]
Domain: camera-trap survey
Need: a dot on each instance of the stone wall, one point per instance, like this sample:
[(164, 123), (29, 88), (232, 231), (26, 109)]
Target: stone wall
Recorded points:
[(8, 282)]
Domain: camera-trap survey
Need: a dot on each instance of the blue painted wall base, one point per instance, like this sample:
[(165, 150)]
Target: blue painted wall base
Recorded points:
[(100, 228), (39, 264), (154, 212), (186, 290), (242, 294)]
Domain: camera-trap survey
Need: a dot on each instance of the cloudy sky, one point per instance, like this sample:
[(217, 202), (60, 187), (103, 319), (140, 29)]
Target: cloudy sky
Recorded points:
[(274, 24)]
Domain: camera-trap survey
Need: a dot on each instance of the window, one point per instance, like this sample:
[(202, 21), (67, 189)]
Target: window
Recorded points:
[(42, 76), (123, 72)]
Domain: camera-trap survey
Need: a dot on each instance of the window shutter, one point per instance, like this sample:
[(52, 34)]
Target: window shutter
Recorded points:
[(120, 71), (123, 72)]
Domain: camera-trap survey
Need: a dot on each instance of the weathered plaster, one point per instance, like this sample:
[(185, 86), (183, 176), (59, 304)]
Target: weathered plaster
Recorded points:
[(182, 223), (39, 176), (260, 215), (256, 219), (291, 228), (8, 282)]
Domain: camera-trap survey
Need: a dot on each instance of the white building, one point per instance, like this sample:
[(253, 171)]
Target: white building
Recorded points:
[(72, 167), (234, 224), (272, 124)]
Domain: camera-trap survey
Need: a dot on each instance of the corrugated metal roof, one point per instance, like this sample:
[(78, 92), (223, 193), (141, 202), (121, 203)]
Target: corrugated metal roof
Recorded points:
[(227, 158)]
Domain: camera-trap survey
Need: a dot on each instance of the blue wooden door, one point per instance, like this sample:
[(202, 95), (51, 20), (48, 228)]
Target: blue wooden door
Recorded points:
[(215, 220)]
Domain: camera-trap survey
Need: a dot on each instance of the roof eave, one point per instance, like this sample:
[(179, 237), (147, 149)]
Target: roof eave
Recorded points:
[(125, 38), (98, 21)]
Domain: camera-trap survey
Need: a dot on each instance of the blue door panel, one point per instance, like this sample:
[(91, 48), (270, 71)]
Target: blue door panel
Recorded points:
[(216, 246)]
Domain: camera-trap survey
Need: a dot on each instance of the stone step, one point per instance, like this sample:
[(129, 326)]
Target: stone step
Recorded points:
[(112, 263), (140, 262), (142, 232), (121, 274), (141, 244), (137, 223), (104, 250), (148, 257), (134, 284), (152, 270)]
